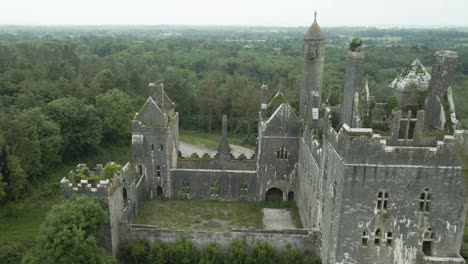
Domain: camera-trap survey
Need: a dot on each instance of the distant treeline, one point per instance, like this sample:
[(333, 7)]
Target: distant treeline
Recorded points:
[(65, 91)]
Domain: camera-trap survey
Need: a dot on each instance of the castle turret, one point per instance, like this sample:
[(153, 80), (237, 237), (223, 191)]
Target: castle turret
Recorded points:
[(437, 103), (353, 85), (313, 57)]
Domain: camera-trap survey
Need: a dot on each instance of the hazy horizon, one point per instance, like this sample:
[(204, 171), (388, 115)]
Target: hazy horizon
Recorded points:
[(294, 13)]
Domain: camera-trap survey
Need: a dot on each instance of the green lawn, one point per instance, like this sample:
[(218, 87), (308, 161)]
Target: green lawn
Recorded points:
[(208, 140), (46, 193), (207, 214)]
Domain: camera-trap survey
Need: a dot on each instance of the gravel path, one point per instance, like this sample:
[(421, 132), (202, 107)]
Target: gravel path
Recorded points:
[(188, 149)]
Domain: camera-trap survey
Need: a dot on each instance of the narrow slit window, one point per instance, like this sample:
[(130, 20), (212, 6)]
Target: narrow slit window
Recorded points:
[(158, 171), (161, 147), (152, 147), (186, 189), (140, 170), (243, 191), (214, 190)]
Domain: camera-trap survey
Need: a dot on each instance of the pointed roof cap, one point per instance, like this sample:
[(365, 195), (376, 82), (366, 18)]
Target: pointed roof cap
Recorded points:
[(314, 31), (414, 75)]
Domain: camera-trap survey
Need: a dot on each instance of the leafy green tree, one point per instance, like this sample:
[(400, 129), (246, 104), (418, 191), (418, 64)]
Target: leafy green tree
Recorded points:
[(80, 125), (69, 234), (262, 253), (16, 177), (115, 109), (237, 252), (209, 102), (211, 255)]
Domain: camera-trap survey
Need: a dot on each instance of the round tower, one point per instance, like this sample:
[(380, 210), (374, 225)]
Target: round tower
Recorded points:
[(313, 57)]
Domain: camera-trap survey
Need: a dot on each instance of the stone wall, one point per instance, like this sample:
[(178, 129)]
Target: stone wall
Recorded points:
[(213, 184), (299, 238), (215, 164)]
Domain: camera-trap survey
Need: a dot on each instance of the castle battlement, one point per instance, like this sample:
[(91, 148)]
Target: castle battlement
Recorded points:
[(362, 146), (72, 184)]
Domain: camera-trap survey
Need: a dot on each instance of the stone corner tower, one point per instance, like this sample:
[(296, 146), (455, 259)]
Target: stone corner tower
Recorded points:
[(313, 57)]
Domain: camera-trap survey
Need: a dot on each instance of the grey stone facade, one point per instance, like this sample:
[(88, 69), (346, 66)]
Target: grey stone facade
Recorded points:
[(362, 197)]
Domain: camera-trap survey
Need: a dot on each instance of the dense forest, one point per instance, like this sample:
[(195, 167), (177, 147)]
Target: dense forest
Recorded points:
[(65, 91)]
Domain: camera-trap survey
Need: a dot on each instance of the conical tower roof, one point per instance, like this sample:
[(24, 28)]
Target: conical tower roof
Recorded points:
[(415, 75), (314, 31)]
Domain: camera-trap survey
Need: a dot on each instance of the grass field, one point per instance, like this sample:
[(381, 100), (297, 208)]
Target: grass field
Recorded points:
[(208, 214), (208, 140), (45, 194)]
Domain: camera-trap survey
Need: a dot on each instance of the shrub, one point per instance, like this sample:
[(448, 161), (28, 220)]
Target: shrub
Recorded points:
[(182, 252), (291, 256), (237, 252), (262, 253), (157, 254), (211, 255)]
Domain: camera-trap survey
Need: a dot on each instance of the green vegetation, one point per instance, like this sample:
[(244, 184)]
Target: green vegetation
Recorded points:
[(69, 234), (183, 251), (211, 141), (208, 214), (355, 44)]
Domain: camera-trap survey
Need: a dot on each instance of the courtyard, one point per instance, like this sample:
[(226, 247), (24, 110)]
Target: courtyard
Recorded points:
[(218, 215)]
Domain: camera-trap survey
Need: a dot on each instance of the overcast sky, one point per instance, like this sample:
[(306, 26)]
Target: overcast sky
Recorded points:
[(236, 12)]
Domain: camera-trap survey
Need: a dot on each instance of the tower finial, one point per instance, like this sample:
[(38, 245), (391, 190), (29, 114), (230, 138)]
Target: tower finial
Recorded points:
[(315, 15)]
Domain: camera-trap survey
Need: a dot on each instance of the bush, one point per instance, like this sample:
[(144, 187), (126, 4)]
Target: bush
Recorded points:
[(262, 253), (13, 252), (211, 255), (157, 254), (182, 251), (291, 256), (237, 252)]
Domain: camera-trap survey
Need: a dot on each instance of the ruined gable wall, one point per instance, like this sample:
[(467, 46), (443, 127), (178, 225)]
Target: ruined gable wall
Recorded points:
[(274, 171)]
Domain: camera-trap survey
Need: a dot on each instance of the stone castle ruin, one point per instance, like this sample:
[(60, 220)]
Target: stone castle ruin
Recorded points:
[(374, 182)]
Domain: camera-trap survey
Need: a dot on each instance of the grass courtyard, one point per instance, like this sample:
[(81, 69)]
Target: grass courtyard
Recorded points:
[(208, 214)]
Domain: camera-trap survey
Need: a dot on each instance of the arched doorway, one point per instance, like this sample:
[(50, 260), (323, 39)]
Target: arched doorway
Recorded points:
[(159, 191), (290, 196), (274, 195)]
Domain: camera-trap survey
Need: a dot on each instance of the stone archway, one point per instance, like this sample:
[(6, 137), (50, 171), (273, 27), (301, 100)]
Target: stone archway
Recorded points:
[(159, 191), (274, 195)]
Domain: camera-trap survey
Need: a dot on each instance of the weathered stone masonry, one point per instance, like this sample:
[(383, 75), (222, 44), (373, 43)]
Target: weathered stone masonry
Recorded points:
[(362, 197)]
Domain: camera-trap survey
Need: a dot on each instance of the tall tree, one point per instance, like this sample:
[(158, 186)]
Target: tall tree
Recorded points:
[(115, 109), (69, 234), (209, 102), (80, 125)]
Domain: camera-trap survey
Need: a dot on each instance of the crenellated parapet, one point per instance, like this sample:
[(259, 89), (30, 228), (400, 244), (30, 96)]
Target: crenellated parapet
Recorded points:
[(362, 146), (92, 183)]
